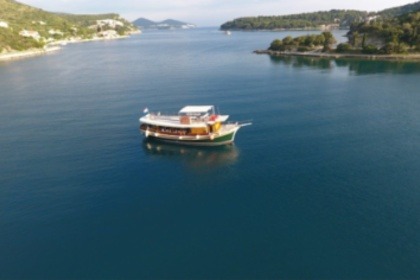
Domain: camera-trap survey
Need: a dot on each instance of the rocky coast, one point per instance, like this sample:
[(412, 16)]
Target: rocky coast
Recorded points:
[(28, 53), (319, 54), (54, 46)]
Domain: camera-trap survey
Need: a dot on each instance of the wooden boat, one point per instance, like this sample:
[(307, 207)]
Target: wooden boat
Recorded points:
[(194, 125)]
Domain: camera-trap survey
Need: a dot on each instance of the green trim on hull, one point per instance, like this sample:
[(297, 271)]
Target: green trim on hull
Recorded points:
[(223, 140)]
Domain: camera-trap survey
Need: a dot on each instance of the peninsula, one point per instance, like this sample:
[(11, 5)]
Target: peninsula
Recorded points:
[(27, 31), (380, 37)]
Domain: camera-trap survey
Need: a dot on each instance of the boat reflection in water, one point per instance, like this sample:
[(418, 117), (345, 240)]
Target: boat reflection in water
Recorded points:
[(199, 159)]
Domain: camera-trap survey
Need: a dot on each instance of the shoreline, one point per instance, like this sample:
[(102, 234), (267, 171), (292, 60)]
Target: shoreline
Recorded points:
[(52, 47), (28, 53), (392, 57)]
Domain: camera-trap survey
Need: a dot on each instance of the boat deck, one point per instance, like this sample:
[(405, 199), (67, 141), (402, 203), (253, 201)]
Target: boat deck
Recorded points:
[(174, 121)]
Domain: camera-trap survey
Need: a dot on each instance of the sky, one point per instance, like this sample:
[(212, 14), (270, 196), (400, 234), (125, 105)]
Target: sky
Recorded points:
[(206, 12)]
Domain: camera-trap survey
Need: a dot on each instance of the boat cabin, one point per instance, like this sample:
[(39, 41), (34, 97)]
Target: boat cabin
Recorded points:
[(190, 114)]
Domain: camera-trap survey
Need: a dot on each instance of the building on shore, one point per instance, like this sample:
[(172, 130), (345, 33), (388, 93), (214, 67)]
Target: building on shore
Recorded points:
[(4, 24), (30, 34)]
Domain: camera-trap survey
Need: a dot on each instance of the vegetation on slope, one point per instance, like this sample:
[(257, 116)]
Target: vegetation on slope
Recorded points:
[(399, 35), (86, 21), (398, 11), (16, 17), (22, 17), (386, 36), (314, 20), (323, 41)]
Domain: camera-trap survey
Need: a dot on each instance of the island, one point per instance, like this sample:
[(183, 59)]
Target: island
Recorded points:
[(321, 20), (27, 31), (170, 24), (378, 37)]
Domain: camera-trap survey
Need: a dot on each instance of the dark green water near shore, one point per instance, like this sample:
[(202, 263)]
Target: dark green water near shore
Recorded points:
[(324, 184)]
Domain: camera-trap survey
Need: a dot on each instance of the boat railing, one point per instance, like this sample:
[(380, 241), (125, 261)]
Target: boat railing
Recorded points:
[(184, 119), (177, 119), (162, 117)]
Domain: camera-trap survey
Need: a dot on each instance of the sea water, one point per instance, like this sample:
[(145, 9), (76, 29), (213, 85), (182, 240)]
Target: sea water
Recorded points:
[(324, 184)]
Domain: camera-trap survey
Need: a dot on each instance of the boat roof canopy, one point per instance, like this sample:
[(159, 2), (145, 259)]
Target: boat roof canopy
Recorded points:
[(196, 109)]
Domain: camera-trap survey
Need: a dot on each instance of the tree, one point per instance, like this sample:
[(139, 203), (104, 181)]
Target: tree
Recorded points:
[(344, 48), (276, 45), (288, 40), (304, 43), (329, 40)]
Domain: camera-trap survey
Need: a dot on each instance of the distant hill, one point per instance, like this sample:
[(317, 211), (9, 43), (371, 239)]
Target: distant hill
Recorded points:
[(327, 19), (23, 27), (144, 23), (398, 11), (324, 20)]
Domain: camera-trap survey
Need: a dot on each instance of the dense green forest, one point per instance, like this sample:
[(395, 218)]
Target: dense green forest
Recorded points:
[(16, 17), (323, 41), (341, 18), (398, 35), (315, 20), (386, 35), (398, 11)]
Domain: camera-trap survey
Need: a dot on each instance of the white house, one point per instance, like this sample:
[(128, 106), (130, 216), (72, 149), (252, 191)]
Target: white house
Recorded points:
[(110, 22), (371, 18), (4, 24), (30, 34), (55, 32), (109, 34)]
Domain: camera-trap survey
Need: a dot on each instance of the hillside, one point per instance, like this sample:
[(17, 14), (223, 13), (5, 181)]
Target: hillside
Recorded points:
[(324, 20), (380, 36), (387, 35), (398, 11), (24, 27), (315, 20), (144, 23)]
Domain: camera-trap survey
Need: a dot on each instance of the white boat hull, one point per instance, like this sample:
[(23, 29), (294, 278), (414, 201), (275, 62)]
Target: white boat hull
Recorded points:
[(211, 139)]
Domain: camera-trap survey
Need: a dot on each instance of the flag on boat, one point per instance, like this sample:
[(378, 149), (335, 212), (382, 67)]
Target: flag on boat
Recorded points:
[(146, 110)]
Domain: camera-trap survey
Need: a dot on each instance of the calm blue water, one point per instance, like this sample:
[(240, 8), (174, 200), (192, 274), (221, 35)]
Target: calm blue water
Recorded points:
[(324, 184)]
